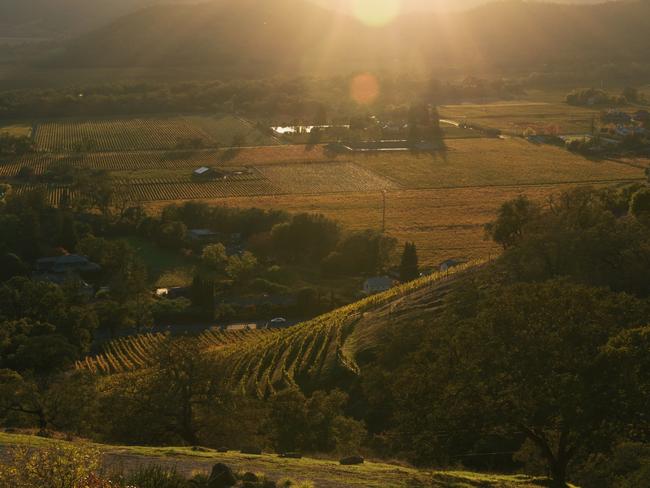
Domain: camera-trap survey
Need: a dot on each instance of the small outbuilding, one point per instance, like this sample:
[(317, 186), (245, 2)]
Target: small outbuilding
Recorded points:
[(378, 284), (451, 263), (69, 263), (202, 172)]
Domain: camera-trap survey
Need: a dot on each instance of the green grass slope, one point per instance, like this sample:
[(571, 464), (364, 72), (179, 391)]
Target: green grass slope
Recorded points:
[(323, 473)]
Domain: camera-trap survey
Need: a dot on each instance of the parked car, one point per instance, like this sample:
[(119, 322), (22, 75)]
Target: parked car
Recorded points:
[(277, 322)]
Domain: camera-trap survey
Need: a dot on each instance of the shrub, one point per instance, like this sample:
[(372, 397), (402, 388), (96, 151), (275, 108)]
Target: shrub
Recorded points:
[(61, 466), (261, 285), (156, 477)]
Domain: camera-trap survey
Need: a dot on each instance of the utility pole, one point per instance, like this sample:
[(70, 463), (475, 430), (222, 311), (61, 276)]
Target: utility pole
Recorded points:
[(383, 213)]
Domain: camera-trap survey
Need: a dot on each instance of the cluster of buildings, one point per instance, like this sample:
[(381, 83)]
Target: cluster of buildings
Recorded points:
[(380, 284), (620, 125)]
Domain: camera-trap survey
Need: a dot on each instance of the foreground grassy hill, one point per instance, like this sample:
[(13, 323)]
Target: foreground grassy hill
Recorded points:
[(323, 473)]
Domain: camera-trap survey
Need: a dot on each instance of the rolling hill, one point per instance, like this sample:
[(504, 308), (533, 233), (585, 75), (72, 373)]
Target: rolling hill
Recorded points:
[(52, 18), (295, 35)]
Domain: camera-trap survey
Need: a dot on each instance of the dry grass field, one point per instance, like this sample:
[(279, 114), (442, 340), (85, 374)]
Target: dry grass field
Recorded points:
[(486, 162), (16, 130), (332, 177), (444, 223), (224, 129), (517, 116)]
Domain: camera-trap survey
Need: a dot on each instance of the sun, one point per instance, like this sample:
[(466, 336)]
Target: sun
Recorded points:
[(376, 13)]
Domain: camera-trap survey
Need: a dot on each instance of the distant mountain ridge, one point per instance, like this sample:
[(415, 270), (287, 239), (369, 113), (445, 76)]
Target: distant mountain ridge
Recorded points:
[(423, 5), (288, 35), (72, 17), (65, 17)]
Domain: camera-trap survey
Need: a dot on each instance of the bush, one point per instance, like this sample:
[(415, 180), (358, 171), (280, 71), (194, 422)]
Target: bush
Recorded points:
[(156, 477), (61, 466), (225, 312), (170, 309), (261, 285)]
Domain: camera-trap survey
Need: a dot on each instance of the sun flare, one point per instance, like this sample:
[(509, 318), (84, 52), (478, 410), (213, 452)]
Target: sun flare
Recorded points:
[(376, 12), (364, 89)]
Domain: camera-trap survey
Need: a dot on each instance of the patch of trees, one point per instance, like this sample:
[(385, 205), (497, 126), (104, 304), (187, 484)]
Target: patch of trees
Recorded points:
[(587, 234), (310, 240), (538, 361), (180, 400), (360, 253), (596, 97), (542, 365), (11, 145), (32, 228), (296, 99)]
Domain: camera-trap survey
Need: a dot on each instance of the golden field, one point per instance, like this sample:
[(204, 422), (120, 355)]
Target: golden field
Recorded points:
[(517, 116), (444, 223), (487, 162)]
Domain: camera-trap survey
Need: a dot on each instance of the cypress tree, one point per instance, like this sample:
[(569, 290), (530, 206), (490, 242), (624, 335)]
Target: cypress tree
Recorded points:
[(409, 267)]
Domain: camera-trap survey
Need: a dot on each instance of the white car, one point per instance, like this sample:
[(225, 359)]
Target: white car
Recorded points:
[(278, 322)]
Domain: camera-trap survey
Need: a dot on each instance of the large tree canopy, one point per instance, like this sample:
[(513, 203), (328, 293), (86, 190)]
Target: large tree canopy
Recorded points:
[(528, 360)]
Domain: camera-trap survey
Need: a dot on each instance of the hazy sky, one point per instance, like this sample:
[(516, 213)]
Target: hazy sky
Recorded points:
[(405, 4), (432, 4)]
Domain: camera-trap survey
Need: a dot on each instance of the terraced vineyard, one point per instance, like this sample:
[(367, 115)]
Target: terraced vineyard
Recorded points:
[(132, 353), (314, 351), (261, 362)]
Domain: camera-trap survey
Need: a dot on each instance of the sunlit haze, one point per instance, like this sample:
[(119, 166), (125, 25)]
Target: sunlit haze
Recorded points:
[(324, 243), (376, 12)]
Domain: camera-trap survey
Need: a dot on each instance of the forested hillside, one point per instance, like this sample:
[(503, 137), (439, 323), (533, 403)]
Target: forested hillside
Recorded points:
[(292, 34), (25, 18)]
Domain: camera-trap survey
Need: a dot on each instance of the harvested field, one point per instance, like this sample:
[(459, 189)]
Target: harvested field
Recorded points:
[(444, 223), (324, 178), (16, 130), (226, 129), (516, 117), (489, 162)]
